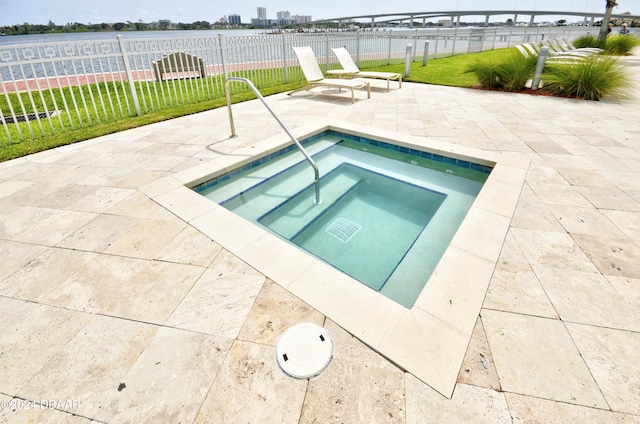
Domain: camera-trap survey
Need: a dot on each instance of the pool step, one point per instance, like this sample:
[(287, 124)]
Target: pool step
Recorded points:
[(277, 179), (271, 193), (292, 216)]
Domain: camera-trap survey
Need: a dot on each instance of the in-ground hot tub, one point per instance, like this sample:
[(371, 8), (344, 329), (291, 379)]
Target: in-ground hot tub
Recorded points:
[(387, 213)]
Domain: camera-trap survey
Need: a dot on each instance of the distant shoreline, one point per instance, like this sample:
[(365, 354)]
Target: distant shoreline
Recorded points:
[(123, 31)]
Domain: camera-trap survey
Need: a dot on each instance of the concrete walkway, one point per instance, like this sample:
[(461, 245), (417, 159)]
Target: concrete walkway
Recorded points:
[(113, 309)]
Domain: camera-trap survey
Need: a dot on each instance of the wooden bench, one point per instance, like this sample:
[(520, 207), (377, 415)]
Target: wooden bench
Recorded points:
[(179, 65)]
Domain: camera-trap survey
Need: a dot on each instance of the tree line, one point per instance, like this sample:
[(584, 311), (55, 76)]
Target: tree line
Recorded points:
[(162, 24)]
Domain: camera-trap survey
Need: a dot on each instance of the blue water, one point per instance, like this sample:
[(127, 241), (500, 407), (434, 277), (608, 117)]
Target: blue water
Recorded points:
[(386, 216), (367, 230), (112, 36)]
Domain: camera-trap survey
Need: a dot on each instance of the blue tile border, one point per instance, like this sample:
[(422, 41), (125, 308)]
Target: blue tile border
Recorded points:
[(418, 153), (433, 156)]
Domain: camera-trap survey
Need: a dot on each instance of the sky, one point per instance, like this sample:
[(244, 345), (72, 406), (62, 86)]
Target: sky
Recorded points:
[(187, 11)]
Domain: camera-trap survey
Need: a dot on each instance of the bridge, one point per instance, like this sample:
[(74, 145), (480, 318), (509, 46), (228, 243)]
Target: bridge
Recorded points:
[(410, 17)]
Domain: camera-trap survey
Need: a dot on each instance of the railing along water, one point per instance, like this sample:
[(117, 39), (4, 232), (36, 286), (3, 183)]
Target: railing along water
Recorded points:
[(316, 172), (56, 87)]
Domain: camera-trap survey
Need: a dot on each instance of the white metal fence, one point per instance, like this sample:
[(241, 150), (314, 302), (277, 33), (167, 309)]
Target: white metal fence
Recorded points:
[(50, 88)]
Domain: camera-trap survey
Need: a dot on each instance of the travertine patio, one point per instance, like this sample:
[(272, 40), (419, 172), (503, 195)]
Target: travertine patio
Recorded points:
[(114, 309)]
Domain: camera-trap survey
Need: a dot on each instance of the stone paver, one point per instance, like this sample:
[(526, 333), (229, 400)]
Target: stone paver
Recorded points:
[(609, 355), (537, 357)]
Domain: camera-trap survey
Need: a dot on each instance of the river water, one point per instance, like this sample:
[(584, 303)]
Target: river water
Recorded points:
[(10, 40)]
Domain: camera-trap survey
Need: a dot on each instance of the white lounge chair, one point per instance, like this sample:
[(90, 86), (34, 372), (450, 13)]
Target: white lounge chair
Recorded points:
[(349, 68), (315, 78), (592, 50), (529, 50), (524, 52), (533, 49)]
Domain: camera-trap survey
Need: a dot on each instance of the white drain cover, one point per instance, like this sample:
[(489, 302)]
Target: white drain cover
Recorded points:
[(304, 350), (343, 229)]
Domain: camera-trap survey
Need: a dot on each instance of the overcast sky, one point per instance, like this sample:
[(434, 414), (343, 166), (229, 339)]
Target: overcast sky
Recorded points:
[(110, 11)]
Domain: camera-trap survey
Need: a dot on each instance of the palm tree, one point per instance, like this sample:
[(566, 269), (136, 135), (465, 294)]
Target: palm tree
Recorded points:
[(604, 29)]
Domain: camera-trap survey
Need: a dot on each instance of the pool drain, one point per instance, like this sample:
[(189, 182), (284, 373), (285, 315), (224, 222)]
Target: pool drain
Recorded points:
[(304, 350), (343, 229)]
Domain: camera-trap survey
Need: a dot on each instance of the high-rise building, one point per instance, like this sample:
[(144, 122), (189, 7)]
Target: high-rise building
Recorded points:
[(235, 19), (301, 19), (261, 20), (284, 18)]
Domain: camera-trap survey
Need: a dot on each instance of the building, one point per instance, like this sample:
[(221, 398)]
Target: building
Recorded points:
[(284, 18), (234, 19), (261, 20), (301, 19)]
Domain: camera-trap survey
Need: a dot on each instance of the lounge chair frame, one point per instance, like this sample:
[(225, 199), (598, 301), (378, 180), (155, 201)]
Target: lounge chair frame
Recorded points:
[(571, 47), (351, 70), (533, 50), (315, 78)]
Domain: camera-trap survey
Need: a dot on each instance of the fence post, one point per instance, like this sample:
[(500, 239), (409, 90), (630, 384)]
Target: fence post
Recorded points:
[(127, 70), (455, 38), (358, 48), (407, 61), (222, 58), (542, 58), (389, 53), (495, 35), (285, 56), (326, 52), (425, 56)]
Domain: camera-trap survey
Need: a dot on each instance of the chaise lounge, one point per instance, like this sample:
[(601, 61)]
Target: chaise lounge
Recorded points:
[(568, 46), (315, 78), (349, 68), (533, 50)]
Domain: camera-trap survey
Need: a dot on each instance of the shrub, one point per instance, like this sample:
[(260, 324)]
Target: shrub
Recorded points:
[(586, 41), (590, 78), (486, 72), (515, 70), (510, 73), (621, 44)]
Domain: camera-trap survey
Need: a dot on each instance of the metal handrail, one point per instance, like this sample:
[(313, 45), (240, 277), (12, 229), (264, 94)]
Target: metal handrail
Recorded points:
[(317, 201)]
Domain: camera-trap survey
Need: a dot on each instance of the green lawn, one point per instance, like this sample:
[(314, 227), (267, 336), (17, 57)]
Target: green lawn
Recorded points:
[(71, 130), (448, 71)]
